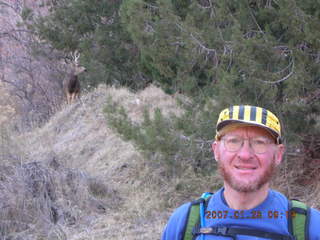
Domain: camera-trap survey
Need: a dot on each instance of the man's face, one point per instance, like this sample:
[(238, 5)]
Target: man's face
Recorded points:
[(245, 170)]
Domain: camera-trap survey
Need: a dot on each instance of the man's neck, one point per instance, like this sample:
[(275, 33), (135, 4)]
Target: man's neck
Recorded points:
[(245, 200)]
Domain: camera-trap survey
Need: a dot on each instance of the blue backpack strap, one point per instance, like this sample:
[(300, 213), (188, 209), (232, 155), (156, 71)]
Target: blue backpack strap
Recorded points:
[(194, 215), (298, 219)]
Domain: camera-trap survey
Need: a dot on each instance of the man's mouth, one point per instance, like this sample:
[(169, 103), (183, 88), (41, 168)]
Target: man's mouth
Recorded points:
[(245, 167)]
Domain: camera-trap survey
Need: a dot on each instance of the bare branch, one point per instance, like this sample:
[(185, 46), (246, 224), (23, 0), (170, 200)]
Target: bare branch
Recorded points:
[(255, 21), (284, 78), (10, 6), (210, 52), (151, 6), (17, 31), (199, 141), (285, 68), (7, 5), (149, 28), (201, 45), (210, 6), (16, 86)]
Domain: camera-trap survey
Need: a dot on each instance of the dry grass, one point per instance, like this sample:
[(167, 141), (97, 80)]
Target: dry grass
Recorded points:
[(150, 98), (7, 109), (37, 197)]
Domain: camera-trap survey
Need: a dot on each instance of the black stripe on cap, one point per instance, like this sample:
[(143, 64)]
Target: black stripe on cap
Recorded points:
[(230, 112), (264, 116), (253, 113), (241, 112)]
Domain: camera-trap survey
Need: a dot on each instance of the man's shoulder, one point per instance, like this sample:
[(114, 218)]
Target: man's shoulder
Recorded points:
[(315, 213), (278, 195), (181, 211), (175, 226), (314, 223)]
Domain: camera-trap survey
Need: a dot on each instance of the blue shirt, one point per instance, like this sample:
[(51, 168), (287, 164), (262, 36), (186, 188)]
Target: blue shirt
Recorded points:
[(270, 216)]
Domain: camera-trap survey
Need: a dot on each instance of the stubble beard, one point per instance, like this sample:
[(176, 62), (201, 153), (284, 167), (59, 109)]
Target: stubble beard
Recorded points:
[(251, 186)]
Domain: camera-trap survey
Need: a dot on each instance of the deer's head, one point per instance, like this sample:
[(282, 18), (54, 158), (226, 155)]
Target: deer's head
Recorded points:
[(73, 60)]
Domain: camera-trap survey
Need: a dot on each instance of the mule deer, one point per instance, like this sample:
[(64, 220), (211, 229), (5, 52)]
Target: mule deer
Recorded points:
[(72, 86)]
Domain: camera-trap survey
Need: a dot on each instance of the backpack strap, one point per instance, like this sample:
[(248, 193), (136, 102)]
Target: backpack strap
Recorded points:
[(234, 231), (193, 218), (298, 219)]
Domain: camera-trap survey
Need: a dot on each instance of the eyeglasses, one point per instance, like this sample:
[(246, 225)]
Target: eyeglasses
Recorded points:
[(257, 144)]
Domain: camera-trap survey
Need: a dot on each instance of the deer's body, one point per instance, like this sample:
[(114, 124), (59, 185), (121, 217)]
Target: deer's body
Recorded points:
[(72, 86), (73, 89)]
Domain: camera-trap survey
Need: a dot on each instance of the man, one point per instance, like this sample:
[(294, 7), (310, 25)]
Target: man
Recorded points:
[(248, 148)]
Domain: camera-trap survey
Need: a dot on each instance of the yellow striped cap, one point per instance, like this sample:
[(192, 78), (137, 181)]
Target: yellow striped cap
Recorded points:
[(251, 115)]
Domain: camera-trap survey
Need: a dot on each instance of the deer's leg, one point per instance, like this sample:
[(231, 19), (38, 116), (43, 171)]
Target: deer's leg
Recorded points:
[(68, 97), (72, 97)]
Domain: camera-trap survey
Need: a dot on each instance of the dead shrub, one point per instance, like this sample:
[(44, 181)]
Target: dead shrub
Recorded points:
[(35, 197)]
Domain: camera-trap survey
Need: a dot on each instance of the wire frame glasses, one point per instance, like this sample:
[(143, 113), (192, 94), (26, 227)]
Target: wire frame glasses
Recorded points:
[(234, 143)]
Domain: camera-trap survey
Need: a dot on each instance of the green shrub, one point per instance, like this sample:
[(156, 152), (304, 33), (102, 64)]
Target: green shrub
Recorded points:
[(175, 142)]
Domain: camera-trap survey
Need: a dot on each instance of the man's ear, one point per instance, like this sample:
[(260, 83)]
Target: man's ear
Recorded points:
[(279, 154), (215, 151)]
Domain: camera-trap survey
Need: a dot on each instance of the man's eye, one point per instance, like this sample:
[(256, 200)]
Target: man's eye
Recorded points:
[(234, 140), (259, 142)]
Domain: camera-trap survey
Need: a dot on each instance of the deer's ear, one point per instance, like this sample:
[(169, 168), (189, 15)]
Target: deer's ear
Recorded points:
[(68, 58)]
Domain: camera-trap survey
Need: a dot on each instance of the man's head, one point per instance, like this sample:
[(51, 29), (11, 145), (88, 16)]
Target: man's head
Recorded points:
[(249, 115), (247, 147)]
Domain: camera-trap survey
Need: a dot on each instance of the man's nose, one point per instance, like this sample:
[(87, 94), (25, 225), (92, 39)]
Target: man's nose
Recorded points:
[(246, 150)]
